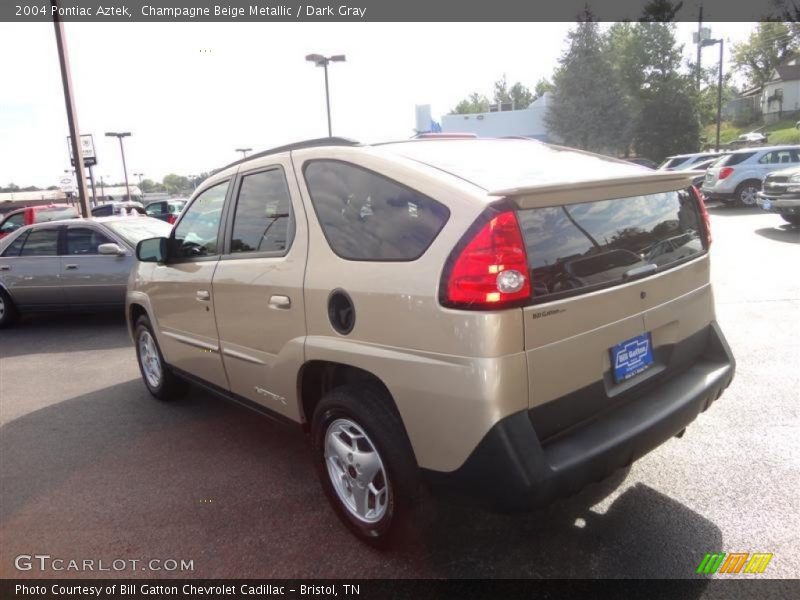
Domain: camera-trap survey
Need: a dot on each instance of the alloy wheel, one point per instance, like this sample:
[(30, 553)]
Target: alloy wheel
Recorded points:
[(748, 195), (149, 359), (356, 471)]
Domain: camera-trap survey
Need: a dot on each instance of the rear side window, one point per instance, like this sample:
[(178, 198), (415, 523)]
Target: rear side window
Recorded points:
[(156, 208), (733, 159), (54, 213), (366, 216), (777, 157), (41, 242), (596, 244), (263, 220)]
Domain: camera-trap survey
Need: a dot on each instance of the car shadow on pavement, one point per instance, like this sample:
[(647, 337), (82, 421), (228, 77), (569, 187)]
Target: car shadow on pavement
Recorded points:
[(116, 474), (45, 333), (785, 233), (723, 210)]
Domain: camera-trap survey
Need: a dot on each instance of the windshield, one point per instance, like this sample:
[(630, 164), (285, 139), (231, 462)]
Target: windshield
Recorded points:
[(54, 213), (671, 163), (134, 231)]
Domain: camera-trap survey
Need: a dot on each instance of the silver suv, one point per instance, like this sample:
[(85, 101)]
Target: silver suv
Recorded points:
[(503, 318), (737, 176)]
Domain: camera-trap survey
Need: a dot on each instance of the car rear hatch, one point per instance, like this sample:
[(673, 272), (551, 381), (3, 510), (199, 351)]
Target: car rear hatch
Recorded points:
[(620, 283)]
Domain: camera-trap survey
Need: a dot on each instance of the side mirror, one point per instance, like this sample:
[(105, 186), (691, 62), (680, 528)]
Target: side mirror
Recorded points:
[(113, 249), (152, 250)]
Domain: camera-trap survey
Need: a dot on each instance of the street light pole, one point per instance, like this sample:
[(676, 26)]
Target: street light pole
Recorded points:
[(721, 42), (322, 61), (119, 136), (140, 175), (244, 151)]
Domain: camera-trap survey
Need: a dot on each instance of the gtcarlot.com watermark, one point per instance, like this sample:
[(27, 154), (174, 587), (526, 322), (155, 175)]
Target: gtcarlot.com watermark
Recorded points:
[(47, 563)]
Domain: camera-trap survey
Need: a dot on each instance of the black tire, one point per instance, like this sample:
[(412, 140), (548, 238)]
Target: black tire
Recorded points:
[(370, 410), (746, 192), (792, 219), (168, 386), (8, 312)]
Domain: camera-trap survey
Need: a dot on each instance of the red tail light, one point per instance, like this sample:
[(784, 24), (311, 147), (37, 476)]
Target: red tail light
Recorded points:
[(701, 206), (724, 172), (491, 270), (171, 219)]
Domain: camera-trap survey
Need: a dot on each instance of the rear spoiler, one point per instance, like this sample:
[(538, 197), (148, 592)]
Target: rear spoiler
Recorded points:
[(574, 192)]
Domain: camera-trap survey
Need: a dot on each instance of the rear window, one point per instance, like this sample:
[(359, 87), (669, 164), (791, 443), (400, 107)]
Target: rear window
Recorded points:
[(54, 213), (366, 216), (671, 163), (733, 159), (595, 244)]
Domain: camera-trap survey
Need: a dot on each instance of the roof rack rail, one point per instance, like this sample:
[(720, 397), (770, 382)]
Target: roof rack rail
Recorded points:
[(326, 141)]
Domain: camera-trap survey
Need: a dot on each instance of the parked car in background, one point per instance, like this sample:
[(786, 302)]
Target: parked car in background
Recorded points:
[(685, 162), (504, 318), (36, 214), (645, 162), (702, 166), (78, 264), (737, 176), (781, 194), (122, 207), (166, 210)]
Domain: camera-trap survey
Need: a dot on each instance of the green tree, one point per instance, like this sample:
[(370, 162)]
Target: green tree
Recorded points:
[(474, 103), (589, 110), (518, 94), (767, 47), (542, 87), (175, 183)]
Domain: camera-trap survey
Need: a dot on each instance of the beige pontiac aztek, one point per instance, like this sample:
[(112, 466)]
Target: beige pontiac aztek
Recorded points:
[(503, 318)]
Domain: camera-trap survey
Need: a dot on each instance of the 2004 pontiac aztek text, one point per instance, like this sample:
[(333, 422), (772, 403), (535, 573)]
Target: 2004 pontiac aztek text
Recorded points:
[(510, 319)]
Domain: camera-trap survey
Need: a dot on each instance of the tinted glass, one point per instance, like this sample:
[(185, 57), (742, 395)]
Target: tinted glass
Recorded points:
[(85, 241), (103, 211), (778, 157), (263, 221), (15, 246), (196, 234), (41, 242), (54, 213), (597, 243), (366, 216), (13, 222), (135, 230), (155, 209), (733, 159)]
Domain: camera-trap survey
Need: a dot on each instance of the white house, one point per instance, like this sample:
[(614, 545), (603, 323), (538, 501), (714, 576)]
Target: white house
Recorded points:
[(527, 122), (781, 93)]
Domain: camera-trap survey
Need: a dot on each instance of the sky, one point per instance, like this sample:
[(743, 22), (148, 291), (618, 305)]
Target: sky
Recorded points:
[(191, 93)]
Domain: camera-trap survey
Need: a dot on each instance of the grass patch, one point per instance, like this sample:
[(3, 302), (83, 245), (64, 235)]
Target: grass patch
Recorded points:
[(780, 132)]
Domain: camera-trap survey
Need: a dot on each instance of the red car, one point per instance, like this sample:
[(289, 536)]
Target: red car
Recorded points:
[(36, 214)]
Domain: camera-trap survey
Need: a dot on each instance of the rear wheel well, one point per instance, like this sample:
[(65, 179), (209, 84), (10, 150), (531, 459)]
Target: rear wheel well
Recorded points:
[(318, 377)]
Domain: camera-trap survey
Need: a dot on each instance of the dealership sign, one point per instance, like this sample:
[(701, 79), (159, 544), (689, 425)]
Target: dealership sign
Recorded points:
[(87, 150)]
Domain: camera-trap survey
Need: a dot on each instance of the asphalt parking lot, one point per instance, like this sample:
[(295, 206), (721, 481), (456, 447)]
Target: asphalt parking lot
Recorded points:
[(92, 467)]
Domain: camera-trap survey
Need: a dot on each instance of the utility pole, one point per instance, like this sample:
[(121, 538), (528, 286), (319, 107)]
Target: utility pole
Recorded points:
[(72, 113), (721, 42), (94, 190), (699, 46), (323, 61)]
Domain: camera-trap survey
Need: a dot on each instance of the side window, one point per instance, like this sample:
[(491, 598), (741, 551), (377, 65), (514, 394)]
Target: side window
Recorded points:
[(263, 220), (366, 216), (84, 241), (13, 223), (777, 157), (15, 246), (156, 208), (41, 242), (196, 234)]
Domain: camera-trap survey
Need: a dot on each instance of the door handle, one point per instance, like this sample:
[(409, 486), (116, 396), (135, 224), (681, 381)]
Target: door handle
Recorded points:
[(5, 267), (203, 296), (280, 302), (71, 267)]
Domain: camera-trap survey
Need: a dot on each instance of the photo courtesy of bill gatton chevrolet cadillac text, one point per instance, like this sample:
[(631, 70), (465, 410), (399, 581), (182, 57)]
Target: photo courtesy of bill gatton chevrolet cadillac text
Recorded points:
[(500, 318)]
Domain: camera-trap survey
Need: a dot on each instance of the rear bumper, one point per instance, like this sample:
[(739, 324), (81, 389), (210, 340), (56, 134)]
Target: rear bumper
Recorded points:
[(512, 469)]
